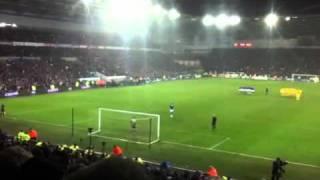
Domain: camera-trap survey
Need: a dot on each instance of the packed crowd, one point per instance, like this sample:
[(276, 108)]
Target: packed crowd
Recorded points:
[(273, 62), (26, 157), (20, 75), (22, 67)]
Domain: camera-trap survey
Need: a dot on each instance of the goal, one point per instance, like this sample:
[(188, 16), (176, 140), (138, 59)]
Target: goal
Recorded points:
[(116, 124), (305, 77)]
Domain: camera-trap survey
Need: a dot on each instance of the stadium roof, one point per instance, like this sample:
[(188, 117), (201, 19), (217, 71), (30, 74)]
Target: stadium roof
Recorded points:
[(69, 10), (250, 8)]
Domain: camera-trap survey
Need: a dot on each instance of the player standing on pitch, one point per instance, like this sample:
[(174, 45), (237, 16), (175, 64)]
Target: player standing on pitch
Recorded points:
[(214, 122), (3, 111), (267, 91), (171, 110), (133, 122)]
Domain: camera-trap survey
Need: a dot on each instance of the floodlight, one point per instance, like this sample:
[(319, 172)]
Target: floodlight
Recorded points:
[(174, 14), (234, 20), (159, 11), (127, 17), (271, 20), (86, 2), (221, 21), (208, 20), (288, 18)]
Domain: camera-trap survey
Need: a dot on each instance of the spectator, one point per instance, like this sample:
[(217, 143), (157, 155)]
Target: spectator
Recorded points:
[(113, 168), (40, 169), (212, 172), (33, 134), (117, 151)]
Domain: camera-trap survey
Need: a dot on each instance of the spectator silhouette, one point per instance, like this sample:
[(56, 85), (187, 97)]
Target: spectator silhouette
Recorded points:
[(114, 168)]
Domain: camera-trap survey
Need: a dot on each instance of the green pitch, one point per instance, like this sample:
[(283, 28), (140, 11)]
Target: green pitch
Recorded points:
[(251, 129)]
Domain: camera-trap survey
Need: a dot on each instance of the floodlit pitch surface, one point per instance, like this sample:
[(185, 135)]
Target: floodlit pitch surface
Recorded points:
[(251, 129)]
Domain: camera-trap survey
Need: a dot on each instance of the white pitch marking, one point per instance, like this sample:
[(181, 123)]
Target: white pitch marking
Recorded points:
[(199, 147), (239, 154), (220, 143), (46, 123), (120, 139)]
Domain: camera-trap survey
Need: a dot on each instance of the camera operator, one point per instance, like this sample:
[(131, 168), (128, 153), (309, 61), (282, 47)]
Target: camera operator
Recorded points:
[(277, 169)]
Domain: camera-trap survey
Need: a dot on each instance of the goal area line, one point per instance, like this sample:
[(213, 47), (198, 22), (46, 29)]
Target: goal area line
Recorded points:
[(126, 140)]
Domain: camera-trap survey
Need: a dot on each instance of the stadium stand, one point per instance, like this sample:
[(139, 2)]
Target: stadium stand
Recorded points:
[(58, 53), (28, 65), (24, 66), (33, 159)]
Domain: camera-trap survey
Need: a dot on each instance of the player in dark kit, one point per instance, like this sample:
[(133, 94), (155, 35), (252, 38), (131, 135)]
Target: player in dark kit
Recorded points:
[(267, 91), (3, 111), (133, 123), (277, 169), (214, 122), (171, 110)]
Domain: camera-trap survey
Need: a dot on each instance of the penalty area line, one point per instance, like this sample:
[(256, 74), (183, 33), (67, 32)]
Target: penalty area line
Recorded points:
[(16, 120), (121, 139), (220, 143), (238, 154)]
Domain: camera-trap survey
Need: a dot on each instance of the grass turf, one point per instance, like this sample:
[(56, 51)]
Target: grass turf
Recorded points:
[(259, 125)]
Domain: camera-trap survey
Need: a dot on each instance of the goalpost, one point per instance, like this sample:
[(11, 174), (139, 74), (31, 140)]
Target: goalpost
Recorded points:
[(115, 124), (305, 77)]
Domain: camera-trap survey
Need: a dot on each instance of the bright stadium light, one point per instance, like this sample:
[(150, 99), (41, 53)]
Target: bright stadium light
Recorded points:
[(208, 20), (127, 17), (271, 20), (174, 14), (86, 3), (221, 21), (234, 20), (159, 11), (288, 18)]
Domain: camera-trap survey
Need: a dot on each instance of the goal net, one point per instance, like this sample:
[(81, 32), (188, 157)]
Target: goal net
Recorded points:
[(305, 78), (128, 126)]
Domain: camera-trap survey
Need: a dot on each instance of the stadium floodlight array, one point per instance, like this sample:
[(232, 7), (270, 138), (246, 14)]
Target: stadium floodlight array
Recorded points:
[(287, 18), (271, 20), (115, 124), (221, 21), (133, 18), (3, 25), (174, 14)]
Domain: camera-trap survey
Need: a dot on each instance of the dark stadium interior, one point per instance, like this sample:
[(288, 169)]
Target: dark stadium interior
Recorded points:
[(61, 8), (52, 45)]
